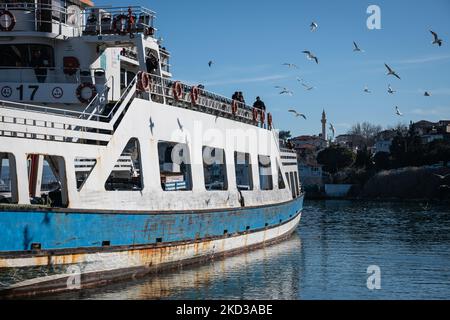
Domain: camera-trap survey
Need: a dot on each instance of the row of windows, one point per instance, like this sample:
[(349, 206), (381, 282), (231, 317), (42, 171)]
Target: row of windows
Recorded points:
[(50, 188), (176, 170)]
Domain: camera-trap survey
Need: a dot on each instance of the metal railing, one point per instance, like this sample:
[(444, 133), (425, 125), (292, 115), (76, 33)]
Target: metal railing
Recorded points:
[(162, 90), (118, 20), (72, 21)]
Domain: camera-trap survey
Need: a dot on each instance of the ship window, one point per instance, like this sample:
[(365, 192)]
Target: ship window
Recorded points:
[(8, 179), (281, 184), (297, 189), (47, 180), (265, 173), (26, 55), (127, 172), (83, 168), (243, 169), (214, 169), (174, 166), (291, 176)]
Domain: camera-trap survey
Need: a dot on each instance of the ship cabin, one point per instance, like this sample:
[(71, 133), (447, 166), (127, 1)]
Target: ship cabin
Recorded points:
[(68, 58)]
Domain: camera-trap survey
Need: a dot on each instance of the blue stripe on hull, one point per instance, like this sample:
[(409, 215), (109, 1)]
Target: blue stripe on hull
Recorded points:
[(61, 230)]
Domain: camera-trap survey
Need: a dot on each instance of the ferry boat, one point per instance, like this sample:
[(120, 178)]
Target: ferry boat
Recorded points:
[(149, 173)]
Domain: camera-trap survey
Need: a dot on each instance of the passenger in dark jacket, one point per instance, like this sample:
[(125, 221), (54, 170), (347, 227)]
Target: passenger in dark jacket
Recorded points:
[(259, 104)]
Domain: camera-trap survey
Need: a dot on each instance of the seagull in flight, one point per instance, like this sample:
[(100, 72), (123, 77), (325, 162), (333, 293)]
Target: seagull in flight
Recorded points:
[(390, 90), (297, 114), (357, 49), (290, 65), (313, 26), (287, 91), (397, 111), (427, 94), (210, 63), (308, 88), (311, 56), (391, 72), (366, 90), (441, 176), (436, 39), (332, 129)]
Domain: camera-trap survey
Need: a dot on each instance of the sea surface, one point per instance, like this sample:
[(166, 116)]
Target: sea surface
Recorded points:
[(327, 258)]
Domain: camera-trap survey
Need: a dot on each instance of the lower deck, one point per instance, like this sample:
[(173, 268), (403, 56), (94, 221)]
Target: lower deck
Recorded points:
[(46, 251)]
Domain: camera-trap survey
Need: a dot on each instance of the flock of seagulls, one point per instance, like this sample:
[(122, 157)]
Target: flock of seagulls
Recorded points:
[(356, 48)]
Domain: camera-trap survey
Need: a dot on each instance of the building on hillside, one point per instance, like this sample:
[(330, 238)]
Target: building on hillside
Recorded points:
[(354, 142)]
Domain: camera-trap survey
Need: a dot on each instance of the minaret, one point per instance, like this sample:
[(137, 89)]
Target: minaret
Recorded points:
[(324, 125)]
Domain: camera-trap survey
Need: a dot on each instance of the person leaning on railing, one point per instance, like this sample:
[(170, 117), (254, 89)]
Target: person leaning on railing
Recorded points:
[(259, 104)]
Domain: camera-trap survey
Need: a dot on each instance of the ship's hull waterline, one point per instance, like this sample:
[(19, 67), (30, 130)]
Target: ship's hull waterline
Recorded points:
[(45, 271)]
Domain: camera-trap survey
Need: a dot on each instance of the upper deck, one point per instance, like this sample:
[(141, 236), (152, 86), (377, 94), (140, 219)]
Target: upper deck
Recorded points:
[(62, 19)]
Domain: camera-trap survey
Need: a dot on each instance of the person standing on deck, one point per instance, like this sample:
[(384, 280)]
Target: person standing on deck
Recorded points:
[(259, 104)]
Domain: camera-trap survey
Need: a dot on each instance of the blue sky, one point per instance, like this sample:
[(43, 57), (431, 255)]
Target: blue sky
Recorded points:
[(250, 40)]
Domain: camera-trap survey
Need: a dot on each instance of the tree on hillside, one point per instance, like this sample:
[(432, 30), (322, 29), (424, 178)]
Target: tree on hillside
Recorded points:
[(366, 130), (335, 158), (285, 135), (363, 159), (382, 161)]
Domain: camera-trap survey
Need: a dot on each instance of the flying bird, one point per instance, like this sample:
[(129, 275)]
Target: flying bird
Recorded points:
[(436, 39), (397, 111), (308, 88), (311, 56), (427, 94), (299, 80), (332, 129), (391, 72), (366, 90), (287, 91), (357, 49), (297, 114), (313, 26), (290, 65), (390, 90), (210, 63), (442, 177)]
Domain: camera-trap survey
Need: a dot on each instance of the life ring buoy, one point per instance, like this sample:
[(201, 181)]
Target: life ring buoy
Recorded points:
[(124, 24), (194, 95), (263, 117), (80, 89), (145, 81), (7, 20), (177, 90), (269, 120), (234, 107), (255, 114)]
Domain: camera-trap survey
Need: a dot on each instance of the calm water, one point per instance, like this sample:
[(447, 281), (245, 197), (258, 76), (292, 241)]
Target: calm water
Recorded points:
[(327, 259)]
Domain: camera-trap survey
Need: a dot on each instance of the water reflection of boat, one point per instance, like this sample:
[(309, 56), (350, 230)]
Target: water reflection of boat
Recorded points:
[(169, 284)]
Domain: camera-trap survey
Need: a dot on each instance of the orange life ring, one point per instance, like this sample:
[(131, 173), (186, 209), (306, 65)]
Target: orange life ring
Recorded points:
[(177, 90), (234, 106), (146, 81), (194, 95), (7, 23), (269, 120), (255, 114), (263, 117), (80, 91)]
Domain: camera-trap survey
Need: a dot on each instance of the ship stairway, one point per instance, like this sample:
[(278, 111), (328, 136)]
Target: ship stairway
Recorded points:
[(94, 125)]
